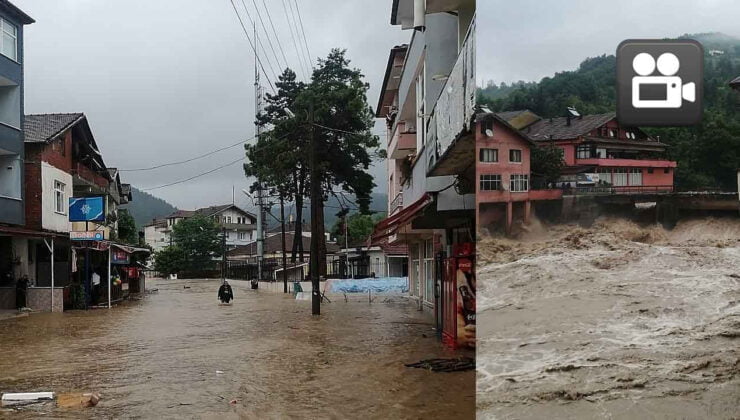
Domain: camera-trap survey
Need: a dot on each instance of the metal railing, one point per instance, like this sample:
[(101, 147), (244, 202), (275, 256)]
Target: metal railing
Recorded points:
[(614, 190), (397, 202)]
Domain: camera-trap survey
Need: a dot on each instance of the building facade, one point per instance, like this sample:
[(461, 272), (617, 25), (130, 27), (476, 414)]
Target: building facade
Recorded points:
[(12, 21), (239, 225), (428, 103)]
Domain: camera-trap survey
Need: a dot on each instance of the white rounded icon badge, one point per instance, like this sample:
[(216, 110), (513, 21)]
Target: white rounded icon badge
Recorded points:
[(659, 82)]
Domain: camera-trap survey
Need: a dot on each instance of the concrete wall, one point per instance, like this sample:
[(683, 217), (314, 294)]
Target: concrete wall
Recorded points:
[(50, 219), (11, 137), (155, 238), (38, 298)]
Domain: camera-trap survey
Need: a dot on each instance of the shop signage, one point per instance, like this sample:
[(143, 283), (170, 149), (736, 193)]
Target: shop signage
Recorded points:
[(86, 209), (87, 236), (119, 257)]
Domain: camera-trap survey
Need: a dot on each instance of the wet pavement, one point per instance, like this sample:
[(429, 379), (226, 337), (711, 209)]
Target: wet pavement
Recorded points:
[(178, 353)]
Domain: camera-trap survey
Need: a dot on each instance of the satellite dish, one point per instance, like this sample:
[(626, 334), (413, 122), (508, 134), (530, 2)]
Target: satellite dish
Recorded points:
[(489, 132)]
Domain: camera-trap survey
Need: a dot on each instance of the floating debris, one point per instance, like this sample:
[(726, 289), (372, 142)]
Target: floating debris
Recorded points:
[(445, 365)]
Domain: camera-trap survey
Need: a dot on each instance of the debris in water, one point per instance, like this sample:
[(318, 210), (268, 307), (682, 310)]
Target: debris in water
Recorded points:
[(219, 372), (445, 365), (23, 398), (78, 400)]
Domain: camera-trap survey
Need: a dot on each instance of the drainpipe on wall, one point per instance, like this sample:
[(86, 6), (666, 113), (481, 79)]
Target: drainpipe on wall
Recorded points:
[(420, 11)]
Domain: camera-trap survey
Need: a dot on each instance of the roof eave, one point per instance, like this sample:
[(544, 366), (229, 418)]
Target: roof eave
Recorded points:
[(22, 17)]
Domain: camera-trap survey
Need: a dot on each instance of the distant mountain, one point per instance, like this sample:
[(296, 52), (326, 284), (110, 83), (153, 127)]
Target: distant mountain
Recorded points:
[(379, 204), (708, 155), (146, 207)]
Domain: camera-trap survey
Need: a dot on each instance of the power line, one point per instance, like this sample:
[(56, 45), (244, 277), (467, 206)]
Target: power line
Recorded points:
[(305, 40), (241, 142), (269, 38), (254, 49), (277, 37), (194, 177), (258, 41), (295, 43), (298, 36)]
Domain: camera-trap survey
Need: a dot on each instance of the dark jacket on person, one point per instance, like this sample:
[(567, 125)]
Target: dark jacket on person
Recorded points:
[(224, 293)]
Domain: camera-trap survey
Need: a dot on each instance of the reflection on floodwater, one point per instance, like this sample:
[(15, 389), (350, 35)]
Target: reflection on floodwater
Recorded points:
[(178, 353)]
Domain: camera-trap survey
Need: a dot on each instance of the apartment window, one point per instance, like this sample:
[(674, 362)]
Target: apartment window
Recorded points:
[(519, 183), (10, 40), (515, 156), (242, 236), (620, 177), (605, 174), (489, 155), (59, 200), (650, 170), (583, 152), (489, 182), (228, 235), (228, 219), (666, 171)]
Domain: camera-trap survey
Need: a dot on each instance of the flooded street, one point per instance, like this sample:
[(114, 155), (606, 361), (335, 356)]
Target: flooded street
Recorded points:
[(616, 321), (177, 353)]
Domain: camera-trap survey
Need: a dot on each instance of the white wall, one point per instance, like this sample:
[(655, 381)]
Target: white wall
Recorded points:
[(155, 238), (50, 219)]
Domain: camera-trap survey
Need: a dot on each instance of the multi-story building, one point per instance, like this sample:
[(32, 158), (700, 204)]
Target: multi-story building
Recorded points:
[(13, 237), (504, 189), (239, 225), (599, 151), (12, 21), (63, 161), (428, 102)]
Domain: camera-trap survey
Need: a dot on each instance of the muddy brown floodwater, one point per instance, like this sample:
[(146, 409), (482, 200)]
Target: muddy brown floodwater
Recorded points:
[(618, 321), (177, 353)]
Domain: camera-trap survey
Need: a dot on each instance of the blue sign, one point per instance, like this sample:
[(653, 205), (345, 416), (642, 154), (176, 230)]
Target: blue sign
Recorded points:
[(86, 209)]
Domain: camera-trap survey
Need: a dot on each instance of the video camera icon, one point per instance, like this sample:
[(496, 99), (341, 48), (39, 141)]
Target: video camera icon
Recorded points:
[(664, 91), (659, 82)]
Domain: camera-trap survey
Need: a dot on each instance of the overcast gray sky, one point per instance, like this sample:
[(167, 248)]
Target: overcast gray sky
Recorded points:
[(166, 80), (531, 39)]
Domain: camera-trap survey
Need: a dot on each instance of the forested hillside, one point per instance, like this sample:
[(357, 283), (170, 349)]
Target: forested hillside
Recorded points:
[(708, 155), (144, 207)]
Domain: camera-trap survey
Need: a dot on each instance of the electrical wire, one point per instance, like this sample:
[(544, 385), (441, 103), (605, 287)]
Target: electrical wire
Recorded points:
[(305, 40), (254, 49), (274, 31), (295, 43), (196, 176), (258, 40), (269, 38), (298, 37), (241, 142)]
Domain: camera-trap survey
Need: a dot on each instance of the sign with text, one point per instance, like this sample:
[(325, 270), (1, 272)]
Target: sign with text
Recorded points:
[(87, 236), (86, 209), (119, 256)]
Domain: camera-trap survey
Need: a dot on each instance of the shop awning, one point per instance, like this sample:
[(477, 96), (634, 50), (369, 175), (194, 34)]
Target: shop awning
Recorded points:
[(29, 233), (389, 226)]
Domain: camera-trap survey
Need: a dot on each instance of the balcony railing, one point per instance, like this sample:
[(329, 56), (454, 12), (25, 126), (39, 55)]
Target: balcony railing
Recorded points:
[(454, 110), (397, 202), (624, 190)]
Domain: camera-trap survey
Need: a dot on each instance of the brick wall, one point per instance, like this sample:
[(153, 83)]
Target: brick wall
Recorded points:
[(32, 185), (59, 152)]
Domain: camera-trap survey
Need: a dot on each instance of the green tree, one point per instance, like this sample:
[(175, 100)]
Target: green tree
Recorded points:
[(359, 227), (169, 260), (199, 240), (127, 231), (279, 159), (547, 161)]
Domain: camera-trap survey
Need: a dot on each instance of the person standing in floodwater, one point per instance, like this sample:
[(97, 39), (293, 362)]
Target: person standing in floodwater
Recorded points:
[(225, 294)]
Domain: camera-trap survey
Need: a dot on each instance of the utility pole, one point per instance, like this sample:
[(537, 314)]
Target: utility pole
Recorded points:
[(282, 231), (316, 208), (223, 251), (258, 131)]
